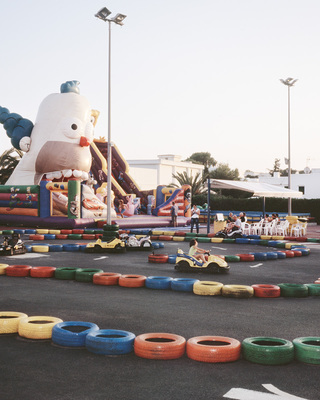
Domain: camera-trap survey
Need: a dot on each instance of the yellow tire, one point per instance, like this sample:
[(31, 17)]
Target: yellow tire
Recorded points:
[(216, 240), (288, 245), (265, 237), (155, 233), (37, 327), (42, 231), (277, 237), (3, 268), (207, 288), (239, 291), (40, 249), (178, 238), (168, 233), (9, 321), (54, 231)]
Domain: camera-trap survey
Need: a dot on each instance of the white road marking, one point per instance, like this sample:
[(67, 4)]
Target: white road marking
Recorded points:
[(246, 394), (100, 258), (256, 266), (29, 255)]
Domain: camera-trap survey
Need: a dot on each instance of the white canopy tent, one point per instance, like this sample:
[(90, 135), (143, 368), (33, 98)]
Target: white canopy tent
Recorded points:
[(256, 188)]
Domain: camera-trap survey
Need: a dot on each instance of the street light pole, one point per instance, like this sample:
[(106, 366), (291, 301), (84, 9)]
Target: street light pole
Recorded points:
[(289, 82), (103, 15)]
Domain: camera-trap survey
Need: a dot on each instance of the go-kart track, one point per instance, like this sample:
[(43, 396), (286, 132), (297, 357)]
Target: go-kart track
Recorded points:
[(33, 368)]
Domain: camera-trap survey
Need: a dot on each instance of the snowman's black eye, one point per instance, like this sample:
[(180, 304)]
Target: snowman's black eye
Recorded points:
[(74, 127)]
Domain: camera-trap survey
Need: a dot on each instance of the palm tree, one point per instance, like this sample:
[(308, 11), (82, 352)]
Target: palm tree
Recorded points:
[(8, 162), (195, 182)]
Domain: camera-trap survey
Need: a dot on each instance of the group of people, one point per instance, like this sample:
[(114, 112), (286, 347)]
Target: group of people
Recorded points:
[(195, 214)]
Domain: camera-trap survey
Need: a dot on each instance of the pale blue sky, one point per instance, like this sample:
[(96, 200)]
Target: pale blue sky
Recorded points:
[(186, 76)]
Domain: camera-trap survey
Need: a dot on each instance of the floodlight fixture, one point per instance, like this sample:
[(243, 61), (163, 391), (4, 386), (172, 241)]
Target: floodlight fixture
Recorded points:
[(103, 14), (118, 19)]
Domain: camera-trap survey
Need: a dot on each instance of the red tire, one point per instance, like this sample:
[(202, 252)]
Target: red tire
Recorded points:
[(78, 231), (88, 236), (289, 253), (165, 237), (179, 233), (159, 346), (158, 258), (132, 280), (297, 253), (106, 278), (18, 270), (42, 272), (213, 349), (62, 236), (36, 237), (266, 290), (154, 237), (66, 231), (246, 257)]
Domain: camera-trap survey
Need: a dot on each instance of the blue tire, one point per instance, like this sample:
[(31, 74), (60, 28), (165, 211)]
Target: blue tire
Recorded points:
[(158, 282), (254, 241), (183, 284), (281, 255), (260, 256), (71, 247), (272, 255), (49, 236), (110, 342), (75, 336), (304, 251), (55, 247), (172, 258), (242, 240), (161, 245), (30, 231), (155, 245)]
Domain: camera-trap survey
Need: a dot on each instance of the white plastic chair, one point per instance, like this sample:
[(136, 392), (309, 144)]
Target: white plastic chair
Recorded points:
[(282, 228), (296, 230), (256, 228), (245, 228)]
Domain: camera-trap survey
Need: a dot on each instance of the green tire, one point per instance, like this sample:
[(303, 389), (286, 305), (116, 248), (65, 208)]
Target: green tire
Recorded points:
[(313, 289), (307, 349), (267, 350), (293, 290), (65, 273), (86, 274)]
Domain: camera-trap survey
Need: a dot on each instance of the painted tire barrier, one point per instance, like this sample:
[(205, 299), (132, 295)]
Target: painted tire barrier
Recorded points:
[(238, 291), (213, 349), (71, 247), (158, 258), (40, 248), (72, 333), (132, 281), (272, 255), (106, 278), (9, 321), (207, 288), (55, 248), (313, 289), (110, 342), (42, 272), (158, 282), (246, 257), (36, 237), (18, 270), (307, 349), (260, 256), (184, 284), (293, 290), (232, 258), (37, 327), (65, 273), (86, 274), (281, 255), (159, 346), (172, 258), (3, 268), (267, 350), (271, 291)]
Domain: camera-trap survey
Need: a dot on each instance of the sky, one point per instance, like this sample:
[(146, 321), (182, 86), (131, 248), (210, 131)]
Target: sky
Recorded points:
[(186, 76)]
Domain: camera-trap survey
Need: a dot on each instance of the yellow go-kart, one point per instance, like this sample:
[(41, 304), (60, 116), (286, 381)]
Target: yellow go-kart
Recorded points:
[(214, 264), (115, 245)]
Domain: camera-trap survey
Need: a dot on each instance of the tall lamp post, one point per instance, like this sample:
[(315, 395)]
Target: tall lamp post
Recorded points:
[(103, 14), (289, 82)]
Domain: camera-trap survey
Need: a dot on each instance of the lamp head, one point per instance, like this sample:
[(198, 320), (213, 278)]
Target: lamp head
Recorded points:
[(118, 19), (103, 14)]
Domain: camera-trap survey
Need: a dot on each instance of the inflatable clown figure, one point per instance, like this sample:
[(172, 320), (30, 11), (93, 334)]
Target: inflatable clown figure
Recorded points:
[(57, 146)]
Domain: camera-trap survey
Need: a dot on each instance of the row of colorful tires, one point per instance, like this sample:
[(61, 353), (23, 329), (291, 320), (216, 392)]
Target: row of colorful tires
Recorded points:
[(160, 346), (205, 288)]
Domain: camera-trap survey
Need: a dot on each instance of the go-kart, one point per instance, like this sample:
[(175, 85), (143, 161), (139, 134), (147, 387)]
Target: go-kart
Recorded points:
[(115, 245), (186, 263), (133, 243), (12, 246)]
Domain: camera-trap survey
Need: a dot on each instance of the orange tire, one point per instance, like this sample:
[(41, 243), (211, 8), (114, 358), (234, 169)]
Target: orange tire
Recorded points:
[(42, 272), (132, 280), (289, 253), (78, 231), (66, 231), (246, 257), (266, 290), (159, 346), (88, 236), (158, 258), (36, 237), (213, 349), (18, 270), (62, 236), (165, 237), (106, 278)]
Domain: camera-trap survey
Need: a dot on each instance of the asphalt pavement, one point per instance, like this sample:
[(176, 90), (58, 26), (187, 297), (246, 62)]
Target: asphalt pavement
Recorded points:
[(39, 369)]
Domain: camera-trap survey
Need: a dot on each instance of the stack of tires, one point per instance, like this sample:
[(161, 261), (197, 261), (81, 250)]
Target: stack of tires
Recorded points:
[(110, 232)]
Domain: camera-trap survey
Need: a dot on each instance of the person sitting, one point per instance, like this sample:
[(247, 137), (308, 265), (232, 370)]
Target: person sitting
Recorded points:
[(196, 252), (230, 218), (243, 217), (234, 226)]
